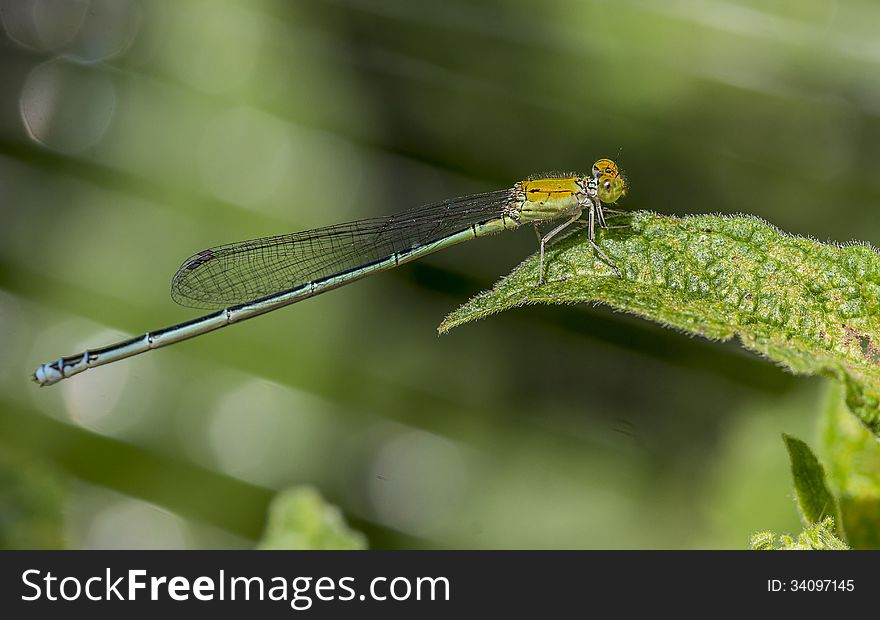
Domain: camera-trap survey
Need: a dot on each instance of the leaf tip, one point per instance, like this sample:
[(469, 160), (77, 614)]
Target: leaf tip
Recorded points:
[(445, 325)]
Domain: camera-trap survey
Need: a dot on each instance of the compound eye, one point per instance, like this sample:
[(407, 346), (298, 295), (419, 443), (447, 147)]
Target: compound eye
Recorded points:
[(611, 188)]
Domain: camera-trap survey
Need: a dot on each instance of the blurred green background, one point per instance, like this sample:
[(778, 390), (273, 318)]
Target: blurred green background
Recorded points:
[(135, 132)]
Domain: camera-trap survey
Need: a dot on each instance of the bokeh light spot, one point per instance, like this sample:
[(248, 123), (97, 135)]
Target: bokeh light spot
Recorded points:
[(417, 482), (132, 524), (215, 50), (268, 434), (57, 22), (89, 30), (244, 156), (92, 398), (67, 106)]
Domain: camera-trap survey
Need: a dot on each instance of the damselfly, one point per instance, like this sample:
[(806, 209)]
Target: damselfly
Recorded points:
[(250, 278)]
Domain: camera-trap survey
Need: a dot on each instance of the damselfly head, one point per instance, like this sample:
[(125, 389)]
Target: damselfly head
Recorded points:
[(612, 185), (605, 167)]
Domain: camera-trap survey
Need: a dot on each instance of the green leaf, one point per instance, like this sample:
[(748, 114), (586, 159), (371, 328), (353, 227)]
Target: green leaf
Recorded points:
[(815, 500), (816, 537), (299, 518), (852, 457), (813, 308), (763, 541)]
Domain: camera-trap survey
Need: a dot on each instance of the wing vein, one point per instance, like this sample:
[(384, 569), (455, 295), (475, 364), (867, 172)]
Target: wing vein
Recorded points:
[(236, 273)]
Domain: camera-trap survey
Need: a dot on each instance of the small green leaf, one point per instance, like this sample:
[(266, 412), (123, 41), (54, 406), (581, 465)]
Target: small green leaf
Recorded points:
[(815, 501), (299, 518), (852, 457), (816, 537), (763, 541), (813, 308)]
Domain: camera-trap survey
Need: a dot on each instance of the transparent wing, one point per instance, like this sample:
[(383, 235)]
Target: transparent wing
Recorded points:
[(236, 273)]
